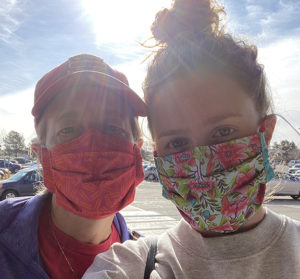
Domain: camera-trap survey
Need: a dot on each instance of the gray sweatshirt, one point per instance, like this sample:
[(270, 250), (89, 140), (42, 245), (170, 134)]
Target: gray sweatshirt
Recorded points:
[(271, 250)]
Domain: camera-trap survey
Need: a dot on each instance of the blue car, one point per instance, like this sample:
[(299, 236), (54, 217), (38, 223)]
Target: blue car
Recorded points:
[(23, 183), (13, 168)]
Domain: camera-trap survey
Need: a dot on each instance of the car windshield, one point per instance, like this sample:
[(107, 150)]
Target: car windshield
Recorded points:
[(17, 176)]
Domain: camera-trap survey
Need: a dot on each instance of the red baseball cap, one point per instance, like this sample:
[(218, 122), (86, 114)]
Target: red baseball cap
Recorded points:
[(83, 69)]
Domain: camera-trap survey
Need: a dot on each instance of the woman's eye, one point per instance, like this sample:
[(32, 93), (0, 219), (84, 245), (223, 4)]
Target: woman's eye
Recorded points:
[(115, 130), (178, 143), (66, 131), (223, 132)]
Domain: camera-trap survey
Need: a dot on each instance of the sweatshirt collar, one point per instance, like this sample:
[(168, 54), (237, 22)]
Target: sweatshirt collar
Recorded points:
[(231, 246)]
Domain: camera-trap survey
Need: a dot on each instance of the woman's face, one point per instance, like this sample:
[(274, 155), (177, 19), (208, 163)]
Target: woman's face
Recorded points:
[(73, 112), (195, 111)]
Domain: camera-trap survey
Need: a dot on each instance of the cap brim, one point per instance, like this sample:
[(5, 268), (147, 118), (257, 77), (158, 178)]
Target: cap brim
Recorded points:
[(92, 78)]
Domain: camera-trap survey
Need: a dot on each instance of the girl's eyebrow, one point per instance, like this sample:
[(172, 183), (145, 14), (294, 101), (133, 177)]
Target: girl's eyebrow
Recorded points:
[(171, 132), (213, 119), (218, 118)]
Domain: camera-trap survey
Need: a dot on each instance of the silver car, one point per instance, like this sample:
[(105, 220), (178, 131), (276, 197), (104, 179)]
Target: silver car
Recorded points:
[(285, 184), (151, 173), (294, 168)]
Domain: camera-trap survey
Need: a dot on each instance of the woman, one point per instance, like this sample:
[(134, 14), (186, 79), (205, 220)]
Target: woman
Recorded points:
[(86, 121), (210, 118)]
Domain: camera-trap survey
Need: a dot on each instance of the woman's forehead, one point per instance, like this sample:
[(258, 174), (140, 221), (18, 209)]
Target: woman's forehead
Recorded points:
[(89, 99)]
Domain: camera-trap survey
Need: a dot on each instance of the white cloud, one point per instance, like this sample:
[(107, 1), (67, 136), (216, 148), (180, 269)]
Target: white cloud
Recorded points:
[(15, 113), (278, 23), (281, 60), (10, 10), (275, 28)]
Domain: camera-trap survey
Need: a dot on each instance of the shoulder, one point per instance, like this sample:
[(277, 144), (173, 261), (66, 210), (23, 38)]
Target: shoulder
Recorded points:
[(291, 226), (286, 221), (128, 260), (10, 208), (22, 208), (132, 255), (288, 230)]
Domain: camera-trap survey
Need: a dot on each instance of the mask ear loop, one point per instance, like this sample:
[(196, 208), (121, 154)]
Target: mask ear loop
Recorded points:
[(269, 171)]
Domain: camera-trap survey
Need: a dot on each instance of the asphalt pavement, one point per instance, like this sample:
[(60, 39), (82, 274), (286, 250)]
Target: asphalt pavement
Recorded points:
[(151, 214)]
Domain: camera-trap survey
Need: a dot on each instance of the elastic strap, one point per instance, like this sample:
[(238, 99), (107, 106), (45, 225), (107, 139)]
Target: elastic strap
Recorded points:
[(150, 263), (269, 171)]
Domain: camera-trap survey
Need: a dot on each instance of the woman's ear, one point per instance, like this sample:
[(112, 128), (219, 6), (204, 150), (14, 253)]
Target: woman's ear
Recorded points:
[(268, 127), (36, 147), (140, 143)]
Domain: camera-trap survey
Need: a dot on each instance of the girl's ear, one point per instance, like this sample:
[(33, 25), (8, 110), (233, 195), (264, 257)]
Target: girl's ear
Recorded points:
[(268, 127)]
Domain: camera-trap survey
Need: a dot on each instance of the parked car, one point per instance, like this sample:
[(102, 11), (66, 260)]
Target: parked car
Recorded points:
[(285, 184), (294, 168), (20, 160), (13, 168), (151, 173), (297, 173), (23, 183), (146, 164), (293, 162), (30, 164), (4, 173)]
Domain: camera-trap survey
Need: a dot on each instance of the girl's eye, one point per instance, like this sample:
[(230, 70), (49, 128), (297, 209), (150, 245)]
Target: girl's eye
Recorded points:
[(223, 132), (115, 130), (66, 131), (178, 143)]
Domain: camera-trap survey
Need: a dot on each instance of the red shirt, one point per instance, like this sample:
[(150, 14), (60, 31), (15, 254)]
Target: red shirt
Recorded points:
[(79, 254)]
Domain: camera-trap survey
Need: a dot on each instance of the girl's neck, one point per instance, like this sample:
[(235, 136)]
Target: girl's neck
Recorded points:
[(80, 228), (250, 224)]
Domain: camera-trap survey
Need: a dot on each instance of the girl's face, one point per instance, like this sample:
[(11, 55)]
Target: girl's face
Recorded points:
[(194, 111), (72, 113)]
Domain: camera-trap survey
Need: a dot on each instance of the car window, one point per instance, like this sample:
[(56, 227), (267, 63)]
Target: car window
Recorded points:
[(17, 176), (32, 177)]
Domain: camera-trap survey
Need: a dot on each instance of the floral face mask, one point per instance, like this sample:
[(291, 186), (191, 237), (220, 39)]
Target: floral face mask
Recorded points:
[(218, 187)]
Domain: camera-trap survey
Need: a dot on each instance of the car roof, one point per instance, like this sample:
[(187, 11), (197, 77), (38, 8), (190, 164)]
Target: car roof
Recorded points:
[(30, 169)]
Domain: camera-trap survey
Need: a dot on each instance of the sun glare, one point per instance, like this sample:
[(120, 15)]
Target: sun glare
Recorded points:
[(122, 21)]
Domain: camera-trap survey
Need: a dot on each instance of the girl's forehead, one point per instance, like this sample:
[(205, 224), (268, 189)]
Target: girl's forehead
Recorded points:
[(200, 101), (206, 91)]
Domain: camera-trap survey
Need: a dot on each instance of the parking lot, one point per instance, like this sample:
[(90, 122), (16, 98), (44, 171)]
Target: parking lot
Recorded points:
[(150, 213)]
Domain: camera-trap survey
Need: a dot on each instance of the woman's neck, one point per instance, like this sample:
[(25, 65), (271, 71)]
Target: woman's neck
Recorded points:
[(80, 228), (250, 224)]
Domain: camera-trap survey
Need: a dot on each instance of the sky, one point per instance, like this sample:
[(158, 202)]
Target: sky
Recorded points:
[(37, 35)]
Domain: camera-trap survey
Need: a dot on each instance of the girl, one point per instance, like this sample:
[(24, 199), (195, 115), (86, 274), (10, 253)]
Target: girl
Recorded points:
[(86, 120), (210, 118)]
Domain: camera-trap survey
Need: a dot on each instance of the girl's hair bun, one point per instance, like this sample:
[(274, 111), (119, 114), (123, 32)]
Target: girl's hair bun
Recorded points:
[(187, 18)]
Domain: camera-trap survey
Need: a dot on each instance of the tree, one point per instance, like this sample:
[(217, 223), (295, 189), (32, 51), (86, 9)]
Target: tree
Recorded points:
[(286, 150), (2, 136), (31, 152), (14, 144)]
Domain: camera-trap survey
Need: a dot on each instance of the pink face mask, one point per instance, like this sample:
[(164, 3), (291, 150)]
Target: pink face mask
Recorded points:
[(94, 175)]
